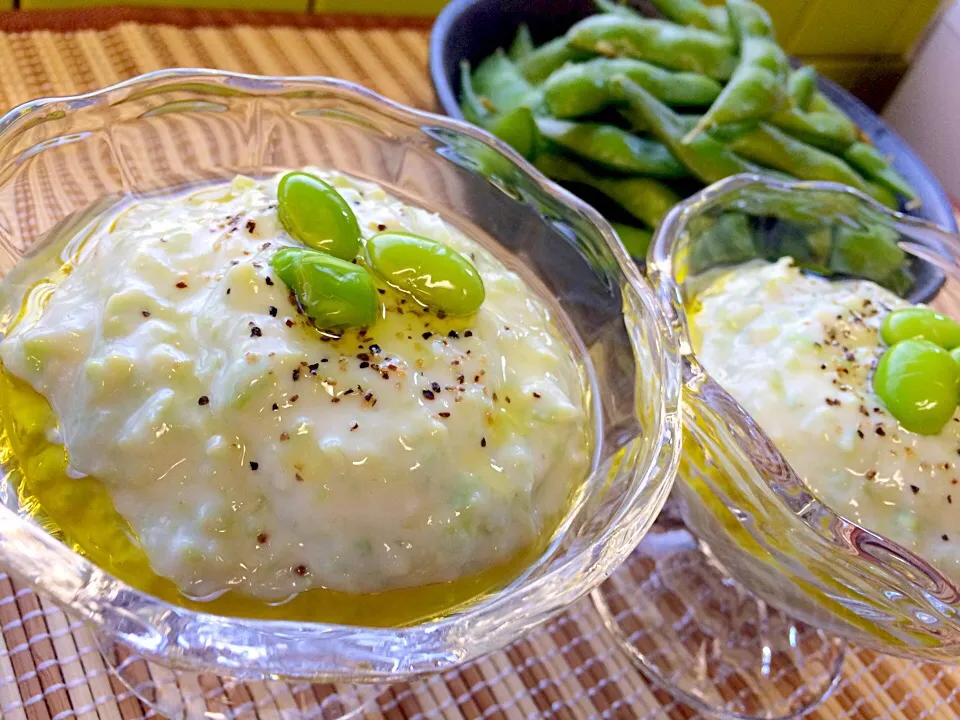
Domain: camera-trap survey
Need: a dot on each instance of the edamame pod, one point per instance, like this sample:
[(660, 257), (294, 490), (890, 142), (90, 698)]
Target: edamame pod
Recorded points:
[(437, 276), (471, 105), (801, 87), (645, 198), (635, 239), (314, 213), (695, 14), (522, 44), (583, 89), (757, 87), (613, 148), (920, 323), (918, 382), (705, 157), (870, 252), (499, 81), (553, 55), (768, 146), (656, 41), (874, 166), (333, 293), (816, 128), (518, 129)]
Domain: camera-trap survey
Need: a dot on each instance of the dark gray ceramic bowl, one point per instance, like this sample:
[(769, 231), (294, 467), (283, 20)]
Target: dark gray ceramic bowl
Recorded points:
[(473, 29)]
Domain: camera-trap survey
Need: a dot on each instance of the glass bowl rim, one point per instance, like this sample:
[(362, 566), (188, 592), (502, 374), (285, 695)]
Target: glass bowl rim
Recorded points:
[(660, 271), (437, 644)]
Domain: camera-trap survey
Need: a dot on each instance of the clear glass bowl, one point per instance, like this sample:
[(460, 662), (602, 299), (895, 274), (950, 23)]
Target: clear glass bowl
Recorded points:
[(736, 491), (64, 158)]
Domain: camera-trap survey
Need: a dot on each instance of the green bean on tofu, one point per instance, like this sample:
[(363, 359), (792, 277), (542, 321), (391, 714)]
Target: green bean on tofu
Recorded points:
[(553, 55), (801, 87), (646, 199), (613, 148), (656, 41), (583, 89), (704, 156), (757, 86), (871, 163), (765, 145)]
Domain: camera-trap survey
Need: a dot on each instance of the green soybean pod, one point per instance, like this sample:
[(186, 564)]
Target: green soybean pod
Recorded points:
[(656, 41), (704, 156), (314, 213), (518, 129), (694, 13), (437, 276), (870, 252), (333, 293), (583, 89), (645, 198), (635, 239), (553, 55), (499, 81), (801, 87), (522, 44), (824, 130), (471, 105), (757, 87), (770, 147), (613, 148), (874, 166), (921, 323), (918, 383)]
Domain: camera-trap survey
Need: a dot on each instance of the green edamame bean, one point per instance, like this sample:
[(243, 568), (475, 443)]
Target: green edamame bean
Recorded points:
[(921, 323), (704, 156), (335, 294), (656, 41), (918, 382), (874, 166), (645, 198), (955, 354), (583, 89), (757, 87), (801, 87), (613, 148), (316, 215), (553, 55), (437, 276), (768, 146), (522, 44)]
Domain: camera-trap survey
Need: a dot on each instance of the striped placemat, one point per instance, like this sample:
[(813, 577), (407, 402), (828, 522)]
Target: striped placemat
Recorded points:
[(52, 667)]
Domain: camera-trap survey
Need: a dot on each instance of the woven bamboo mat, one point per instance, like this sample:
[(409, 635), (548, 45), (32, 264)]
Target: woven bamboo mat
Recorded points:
[(52, 667)]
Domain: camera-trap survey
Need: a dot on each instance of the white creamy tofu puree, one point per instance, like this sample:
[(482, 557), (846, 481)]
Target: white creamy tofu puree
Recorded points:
[(798, 352), (250, 452)]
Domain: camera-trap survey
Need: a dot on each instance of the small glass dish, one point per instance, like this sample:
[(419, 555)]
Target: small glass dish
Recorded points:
[(753, 519), (62, 159)]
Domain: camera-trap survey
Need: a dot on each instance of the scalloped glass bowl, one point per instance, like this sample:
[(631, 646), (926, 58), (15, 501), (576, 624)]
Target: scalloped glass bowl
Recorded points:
[(740, 496), (64, 158)]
